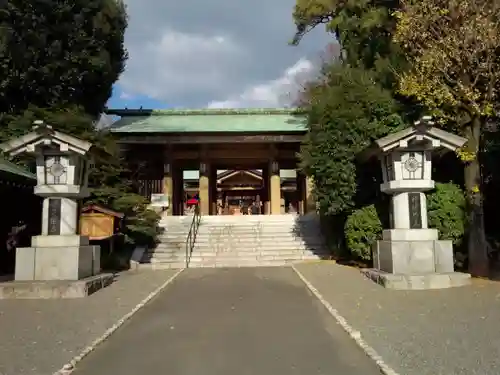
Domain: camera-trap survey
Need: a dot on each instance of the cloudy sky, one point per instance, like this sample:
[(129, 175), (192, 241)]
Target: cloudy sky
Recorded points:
[(215, 53)]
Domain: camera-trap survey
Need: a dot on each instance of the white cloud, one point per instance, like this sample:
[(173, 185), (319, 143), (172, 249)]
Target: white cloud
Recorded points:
[(126, 96), (280, 92), (194, 52), (177, 63)]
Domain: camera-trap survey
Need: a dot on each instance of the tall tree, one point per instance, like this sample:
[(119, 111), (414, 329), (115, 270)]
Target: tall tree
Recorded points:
[(60, 53), (362, 27), (347, 109), (453, 47)]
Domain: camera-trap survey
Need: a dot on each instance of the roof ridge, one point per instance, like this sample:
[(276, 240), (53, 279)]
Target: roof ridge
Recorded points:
[(204, 111)]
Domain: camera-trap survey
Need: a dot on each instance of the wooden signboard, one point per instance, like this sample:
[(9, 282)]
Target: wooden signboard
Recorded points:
[(99, 223)]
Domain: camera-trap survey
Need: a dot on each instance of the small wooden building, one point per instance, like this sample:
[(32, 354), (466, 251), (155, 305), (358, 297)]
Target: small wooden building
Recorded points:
[(99, 223)]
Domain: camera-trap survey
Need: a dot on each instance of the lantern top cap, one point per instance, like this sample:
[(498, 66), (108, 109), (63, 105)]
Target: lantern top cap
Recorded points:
[(44, 135), (422, 131)]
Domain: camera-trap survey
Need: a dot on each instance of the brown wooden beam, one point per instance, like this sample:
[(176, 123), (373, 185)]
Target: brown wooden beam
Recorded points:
[(221, 155), (208, 139)]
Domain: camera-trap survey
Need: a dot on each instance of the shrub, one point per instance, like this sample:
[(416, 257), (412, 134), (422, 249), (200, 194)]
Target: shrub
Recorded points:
[(446, 212), (362, 228)]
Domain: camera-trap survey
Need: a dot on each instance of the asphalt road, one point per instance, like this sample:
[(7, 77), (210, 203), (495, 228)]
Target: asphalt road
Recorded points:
[(260, 321)]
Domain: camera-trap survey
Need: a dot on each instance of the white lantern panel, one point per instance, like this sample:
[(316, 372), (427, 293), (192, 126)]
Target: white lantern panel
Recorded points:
[(56, 170), (412, 165)]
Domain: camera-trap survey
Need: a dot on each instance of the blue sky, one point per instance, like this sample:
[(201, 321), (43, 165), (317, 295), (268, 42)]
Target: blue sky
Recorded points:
[(119, 100), (218, 54)]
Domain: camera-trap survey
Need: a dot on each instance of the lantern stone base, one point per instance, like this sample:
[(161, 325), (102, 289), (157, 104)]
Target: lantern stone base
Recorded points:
[(68, 258), (55, 289), (417, 282), (414, 264)]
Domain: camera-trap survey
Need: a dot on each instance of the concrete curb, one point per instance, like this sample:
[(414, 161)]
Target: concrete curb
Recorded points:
[(355, 335), (70, 366)]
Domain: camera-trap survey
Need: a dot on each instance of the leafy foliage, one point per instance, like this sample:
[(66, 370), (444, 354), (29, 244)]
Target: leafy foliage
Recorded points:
[(346, 111), (60, 53), (362, 27), (453, 51), (140, 223), (71, 119), (446, 212), (453, 48), (362, 229)]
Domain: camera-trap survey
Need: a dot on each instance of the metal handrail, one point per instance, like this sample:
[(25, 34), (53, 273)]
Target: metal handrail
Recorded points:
[(193, 231)]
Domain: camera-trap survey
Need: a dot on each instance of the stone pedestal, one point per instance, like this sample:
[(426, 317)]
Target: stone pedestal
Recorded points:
[(414, 259), (57, 258), (55, 289)]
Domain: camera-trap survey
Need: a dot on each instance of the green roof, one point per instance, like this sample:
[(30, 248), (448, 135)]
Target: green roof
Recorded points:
[(11, 168), (209, 121)]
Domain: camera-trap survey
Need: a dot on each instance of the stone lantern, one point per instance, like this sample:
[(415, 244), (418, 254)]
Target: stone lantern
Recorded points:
[(62, 165), (410, 255)]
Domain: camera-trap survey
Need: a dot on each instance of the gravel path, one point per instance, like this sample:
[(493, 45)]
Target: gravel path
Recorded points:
[(37, 337), (445, 332)]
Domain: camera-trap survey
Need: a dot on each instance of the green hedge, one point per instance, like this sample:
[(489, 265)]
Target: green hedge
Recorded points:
[(446, 212), (362, 228)]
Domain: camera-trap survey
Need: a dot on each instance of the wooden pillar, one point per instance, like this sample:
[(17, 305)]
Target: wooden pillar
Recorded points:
[(265, 190), (177, 190), (213, 190), (204, 188), (168, 183), (274, 188)]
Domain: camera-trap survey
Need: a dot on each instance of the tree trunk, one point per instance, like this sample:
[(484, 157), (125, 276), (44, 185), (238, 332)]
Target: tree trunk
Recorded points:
[(477, 244)]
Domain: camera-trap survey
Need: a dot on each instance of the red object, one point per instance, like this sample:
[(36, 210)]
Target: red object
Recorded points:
[(192, 201)]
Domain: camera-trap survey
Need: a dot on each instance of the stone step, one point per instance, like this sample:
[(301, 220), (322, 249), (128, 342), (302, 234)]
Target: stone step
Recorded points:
[(260, 248), (201, 238), (172, 239), (243, 249), (241, 225), (243, 252), (289, 224), (211, 260), (179, 265), (245, 231), (234, 260), (253, 222), (250, 232), (254, 254)]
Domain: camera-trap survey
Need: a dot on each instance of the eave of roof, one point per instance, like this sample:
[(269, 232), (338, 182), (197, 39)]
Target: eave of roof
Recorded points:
[(11, 168)]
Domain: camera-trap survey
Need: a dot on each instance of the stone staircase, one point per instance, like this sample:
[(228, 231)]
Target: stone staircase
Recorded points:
[(239, 241), (171, 250)]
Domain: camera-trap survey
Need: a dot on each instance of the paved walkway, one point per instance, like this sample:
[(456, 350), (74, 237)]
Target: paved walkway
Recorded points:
[(37, 337), (230, 321), (441, 332)]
